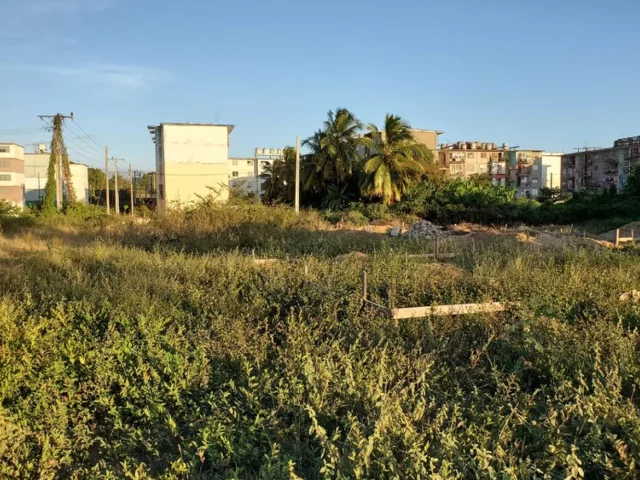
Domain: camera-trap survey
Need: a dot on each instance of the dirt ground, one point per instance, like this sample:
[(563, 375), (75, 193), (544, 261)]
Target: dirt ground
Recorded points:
[(625, 231)]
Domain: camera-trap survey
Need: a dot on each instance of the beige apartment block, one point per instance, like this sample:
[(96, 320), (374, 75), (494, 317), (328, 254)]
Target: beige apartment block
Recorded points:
[(191, 162), (428, 138), (12, 174), (466, 159)]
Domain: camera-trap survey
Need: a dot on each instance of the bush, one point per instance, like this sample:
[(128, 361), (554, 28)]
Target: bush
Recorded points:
[(7, 209), (377, 211), (356, 218)]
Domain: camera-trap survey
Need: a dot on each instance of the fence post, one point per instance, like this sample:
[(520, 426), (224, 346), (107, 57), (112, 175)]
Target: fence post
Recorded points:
[(437, 248), (617, 236), (364, 286)]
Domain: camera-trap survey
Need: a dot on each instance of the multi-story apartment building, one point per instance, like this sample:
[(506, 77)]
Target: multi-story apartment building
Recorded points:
[(12, 174), (242, 175), (466, 159), (536, 170), (191, 162), (601, 167), (428, 138), (36, 167)]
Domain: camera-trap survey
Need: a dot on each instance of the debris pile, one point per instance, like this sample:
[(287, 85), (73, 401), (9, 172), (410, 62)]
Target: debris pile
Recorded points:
[(424, 228)]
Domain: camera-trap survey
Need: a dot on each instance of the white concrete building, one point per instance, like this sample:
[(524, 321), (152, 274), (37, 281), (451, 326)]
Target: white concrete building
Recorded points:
[(242, 174), (191, 162), (12, 174), (544, 171), (36, 166)]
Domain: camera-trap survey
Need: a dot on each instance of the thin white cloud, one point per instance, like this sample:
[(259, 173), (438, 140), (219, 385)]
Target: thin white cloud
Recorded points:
[(125, 76), (67, 6)]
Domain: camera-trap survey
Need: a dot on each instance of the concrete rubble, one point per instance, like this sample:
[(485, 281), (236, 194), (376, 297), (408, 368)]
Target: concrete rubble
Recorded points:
[(427, 229)]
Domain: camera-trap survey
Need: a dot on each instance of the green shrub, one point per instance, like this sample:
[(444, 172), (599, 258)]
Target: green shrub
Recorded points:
[(356, 218), (7, 209)]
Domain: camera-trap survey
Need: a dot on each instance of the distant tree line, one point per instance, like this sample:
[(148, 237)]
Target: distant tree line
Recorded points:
[(349, 162)]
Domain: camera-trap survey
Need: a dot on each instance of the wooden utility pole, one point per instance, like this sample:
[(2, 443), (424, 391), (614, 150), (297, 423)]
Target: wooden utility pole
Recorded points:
[(115, 185), (106, 177), (297, 201), (131, 189), (57, 147)]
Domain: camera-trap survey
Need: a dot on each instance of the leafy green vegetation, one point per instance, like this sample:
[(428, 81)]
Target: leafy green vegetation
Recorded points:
[(395, 160), (162, 350)]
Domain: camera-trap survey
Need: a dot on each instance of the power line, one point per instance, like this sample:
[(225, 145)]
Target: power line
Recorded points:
[(97, 151), (20, 128), (87, 153), (94, 163), (13, 134), (89, 136)]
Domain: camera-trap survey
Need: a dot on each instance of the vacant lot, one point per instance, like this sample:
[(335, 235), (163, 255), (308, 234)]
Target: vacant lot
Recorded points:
[(164, 350)]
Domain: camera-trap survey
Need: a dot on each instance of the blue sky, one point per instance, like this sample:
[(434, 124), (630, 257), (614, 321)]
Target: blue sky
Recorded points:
[(545, 74)]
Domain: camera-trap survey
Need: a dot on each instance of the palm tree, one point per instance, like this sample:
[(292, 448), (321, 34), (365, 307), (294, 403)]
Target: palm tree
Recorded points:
[(394, 161), (334, 149), (313, 165), (281, 176)]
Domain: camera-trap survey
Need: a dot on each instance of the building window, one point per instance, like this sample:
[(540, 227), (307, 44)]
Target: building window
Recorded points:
[(5, 148), (483, 167), (470, 155), (234, 174), (5, 177), (535, 168), (483, 155), (4, 163), (234, 163), (471, 168)]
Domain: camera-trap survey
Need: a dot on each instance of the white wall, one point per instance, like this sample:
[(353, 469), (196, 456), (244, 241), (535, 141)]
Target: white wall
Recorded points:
[(192, 158), (15, 151), (37, 164), (80, 181), (551, 168), (196, 143)]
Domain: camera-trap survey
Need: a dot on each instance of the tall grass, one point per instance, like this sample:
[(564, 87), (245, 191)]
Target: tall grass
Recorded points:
[(163, 351)]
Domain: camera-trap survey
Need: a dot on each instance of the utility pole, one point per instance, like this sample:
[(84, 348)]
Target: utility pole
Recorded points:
[(131, 189), (106, 177), (297, 201), (115, 185), (57, 147)]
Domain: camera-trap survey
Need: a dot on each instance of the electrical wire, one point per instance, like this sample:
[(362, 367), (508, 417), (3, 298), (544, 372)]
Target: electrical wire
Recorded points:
[(97, 151), (92, 161), (86, 153), (89, 136)]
